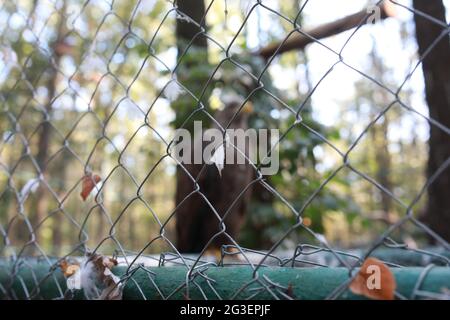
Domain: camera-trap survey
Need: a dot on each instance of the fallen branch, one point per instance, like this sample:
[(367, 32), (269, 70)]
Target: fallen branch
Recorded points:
[(297, 40)]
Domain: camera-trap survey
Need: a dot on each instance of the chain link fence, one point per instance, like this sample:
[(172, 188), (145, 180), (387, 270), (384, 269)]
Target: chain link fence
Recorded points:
[(92, 92)]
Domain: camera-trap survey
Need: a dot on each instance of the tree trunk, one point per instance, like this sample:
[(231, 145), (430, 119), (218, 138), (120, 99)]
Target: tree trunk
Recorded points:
[(185, 33), (58, 221), (39, 208), (436, 70), (381, 141)]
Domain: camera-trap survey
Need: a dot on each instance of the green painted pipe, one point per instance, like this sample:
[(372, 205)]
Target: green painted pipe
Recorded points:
[(403, 257), (298, 283)]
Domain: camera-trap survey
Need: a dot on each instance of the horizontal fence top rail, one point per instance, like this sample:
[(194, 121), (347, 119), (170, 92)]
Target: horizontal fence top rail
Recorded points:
[(214, 149)]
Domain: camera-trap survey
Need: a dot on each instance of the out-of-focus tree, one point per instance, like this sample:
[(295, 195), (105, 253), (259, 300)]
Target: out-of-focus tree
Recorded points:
[(434, 50)]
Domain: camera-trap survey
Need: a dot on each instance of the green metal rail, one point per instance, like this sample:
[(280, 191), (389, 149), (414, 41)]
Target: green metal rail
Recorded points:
[(228, 282)]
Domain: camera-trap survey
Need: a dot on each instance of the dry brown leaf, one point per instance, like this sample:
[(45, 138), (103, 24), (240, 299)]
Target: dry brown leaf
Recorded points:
[(290, 290), (68, 269), (89, 181), (95, 275), (63, 48), (374, 280), (112, 288)]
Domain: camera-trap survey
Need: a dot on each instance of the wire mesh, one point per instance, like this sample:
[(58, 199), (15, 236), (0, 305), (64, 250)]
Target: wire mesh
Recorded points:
[(87, 88)]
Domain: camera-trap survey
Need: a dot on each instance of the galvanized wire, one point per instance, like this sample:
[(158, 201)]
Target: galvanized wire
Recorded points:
[(320, 253)]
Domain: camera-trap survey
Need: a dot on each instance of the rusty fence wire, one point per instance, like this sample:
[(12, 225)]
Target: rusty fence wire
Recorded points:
[(90, 94)]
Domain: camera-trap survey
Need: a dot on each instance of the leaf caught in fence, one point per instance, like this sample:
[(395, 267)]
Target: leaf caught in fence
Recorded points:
[(29, 187), (290, 291), (374, 280), (89, 181), (94, 276), (63, 48), (111, 288), (173, 90), (69, 269), (72, 272), (218, 158)]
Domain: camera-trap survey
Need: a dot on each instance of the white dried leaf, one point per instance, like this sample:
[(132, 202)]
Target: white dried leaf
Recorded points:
[(30, 187), (146, 6), (321, 238), (8, 137), (74, 281), (112, 292), (229, 97), (184, 18), (113, 277), (95, 277), (88, 279), (8, 56), (173, 90), (218, 158)]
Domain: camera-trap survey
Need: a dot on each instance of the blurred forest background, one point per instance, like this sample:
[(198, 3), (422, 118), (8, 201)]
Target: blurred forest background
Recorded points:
[(91, 86)]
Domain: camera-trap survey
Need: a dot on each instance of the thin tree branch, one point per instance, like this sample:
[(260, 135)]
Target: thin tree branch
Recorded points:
[(298, 41)]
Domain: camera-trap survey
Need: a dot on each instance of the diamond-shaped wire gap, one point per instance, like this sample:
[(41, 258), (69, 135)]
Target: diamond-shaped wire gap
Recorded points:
[(42, 28), (134, 219), (305, 200), (415, 103), (357, 191), (84, 134), (21, 106), (285, 202), (82, 18), (235, 81), (66, 110), (385, 69), (40, 68), (105, 98), (281, 24), (297, 145), (329, 93), (142, 151), (18, 231), (60, 229), (87, 76), (165, 216), (109, 27), (149, 17), (282, 243), (205, 74), (237, 190), (297, 27), (154, 38), (33, 193), (129, 55), (374, 227), (10, 218), (420, 13), (212, 86), (414, 236), (14, 147), (229, 36), (126, 131), (116, 191), (60, 177), (125, 12), (153, 79), (386, 148), (89, 64), (193, 198), (129, 112)]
